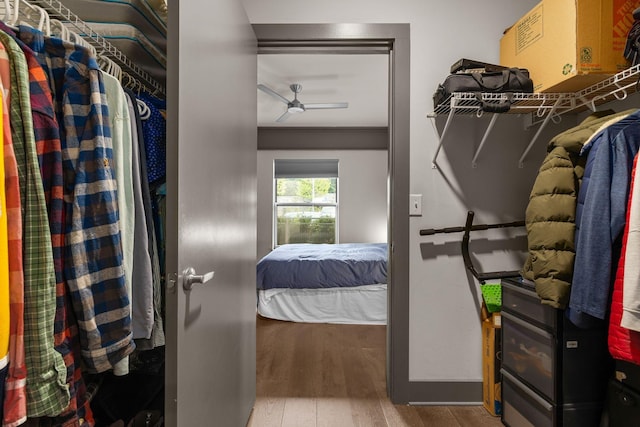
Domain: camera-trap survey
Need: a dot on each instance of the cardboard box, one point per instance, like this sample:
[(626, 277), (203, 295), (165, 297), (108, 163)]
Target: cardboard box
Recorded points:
[(569, 45), (491, 380)]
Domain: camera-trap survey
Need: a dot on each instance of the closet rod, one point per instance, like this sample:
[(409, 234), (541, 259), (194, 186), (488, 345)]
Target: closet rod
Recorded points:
[(57, 10)]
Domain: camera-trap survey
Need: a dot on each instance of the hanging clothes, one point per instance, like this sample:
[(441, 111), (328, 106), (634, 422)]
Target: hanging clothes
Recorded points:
[(121, 143), (550, 213), (5, 315), (155, 139), (624, 344), (588, 151), (95, 277), (156, 337), (47, 392), (71, 186), (603, 221), (630, 316), (142, 275), (15, 400), (46, 130), (122, 165)]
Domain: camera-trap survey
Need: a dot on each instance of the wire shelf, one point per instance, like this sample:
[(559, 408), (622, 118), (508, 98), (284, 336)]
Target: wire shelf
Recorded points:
[(542, 107), (467, 103), (57, 10), (616, 87)]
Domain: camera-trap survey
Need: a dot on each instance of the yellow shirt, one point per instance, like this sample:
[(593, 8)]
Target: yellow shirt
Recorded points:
[(4, 260)]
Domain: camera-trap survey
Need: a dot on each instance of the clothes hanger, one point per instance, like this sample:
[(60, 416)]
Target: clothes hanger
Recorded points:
[(14, 16), (79, 40), (117, 70), (30, 15), (8, 11), (45, 22), (128, 79), (143, 109), (59, 30)]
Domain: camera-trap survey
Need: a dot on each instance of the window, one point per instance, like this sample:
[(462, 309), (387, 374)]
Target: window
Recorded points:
[(306, 201)]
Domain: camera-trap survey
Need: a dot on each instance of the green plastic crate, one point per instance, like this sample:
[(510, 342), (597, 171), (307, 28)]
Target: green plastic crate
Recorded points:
[(492, 295)]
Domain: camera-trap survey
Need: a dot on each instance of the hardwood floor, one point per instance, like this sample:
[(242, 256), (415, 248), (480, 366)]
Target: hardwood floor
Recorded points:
[(317, 375)]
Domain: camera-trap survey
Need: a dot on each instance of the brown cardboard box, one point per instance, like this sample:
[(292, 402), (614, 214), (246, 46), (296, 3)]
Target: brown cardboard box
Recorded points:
[(491, 347), (568, 45)]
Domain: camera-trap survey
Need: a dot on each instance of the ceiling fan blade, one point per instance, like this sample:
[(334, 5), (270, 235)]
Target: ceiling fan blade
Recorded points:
[(326, 106), (273, 93), (283, 117)]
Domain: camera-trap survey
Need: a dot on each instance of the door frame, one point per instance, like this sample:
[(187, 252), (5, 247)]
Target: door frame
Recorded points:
[(356, 38)]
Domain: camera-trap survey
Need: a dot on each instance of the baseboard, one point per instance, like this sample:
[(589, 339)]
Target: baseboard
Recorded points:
[(445, 393)]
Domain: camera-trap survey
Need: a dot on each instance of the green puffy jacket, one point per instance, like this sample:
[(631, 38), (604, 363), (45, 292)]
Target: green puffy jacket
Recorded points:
[(551, 212)]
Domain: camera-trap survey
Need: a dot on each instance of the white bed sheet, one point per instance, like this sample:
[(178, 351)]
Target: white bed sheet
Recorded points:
[(361, 305)]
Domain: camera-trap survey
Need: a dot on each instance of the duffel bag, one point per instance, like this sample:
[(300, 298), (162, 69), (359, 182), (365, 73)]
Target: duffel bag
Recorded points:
[(507, 81)]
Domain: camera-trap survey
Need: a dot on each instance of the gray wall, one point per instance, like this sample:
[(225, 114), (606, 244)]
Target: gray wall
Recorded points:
[(362, 193), (445, 338)]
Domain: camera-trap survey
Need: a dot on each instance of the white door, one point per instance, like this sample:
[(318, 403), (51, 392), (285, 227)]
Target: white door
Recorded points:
[(211, 214)]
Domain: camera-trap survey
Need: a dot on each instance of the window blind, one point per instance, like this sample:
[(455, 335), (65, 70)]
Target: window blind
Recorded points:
[(306, 168)]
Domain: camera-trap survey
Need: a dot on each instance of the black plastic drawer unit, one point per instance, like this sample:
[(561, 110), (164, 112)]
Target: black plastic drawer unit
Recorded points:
[(523, 407), (521, 299), (554, 374), (530, 353)]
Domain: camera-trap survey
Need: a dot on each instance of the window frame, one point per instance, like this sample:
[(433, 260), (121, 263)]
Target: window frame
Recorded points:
[(276, 205)]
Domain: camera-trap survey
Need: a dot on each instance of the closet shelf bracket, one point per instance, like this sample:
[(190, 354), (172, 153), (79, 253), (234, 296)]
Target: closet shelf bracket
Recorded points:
[(543, 125), (494, 117), (441, 136)]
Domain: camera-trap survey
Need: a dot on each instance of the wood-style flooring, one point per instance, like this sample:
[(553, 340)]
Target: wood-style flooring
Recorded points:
[(317, 375)]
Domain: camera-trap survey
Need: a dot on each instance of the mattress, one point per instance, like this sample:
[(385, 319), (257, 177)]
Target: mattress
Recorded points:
[(312, 266), (362, 305), (324, 283)]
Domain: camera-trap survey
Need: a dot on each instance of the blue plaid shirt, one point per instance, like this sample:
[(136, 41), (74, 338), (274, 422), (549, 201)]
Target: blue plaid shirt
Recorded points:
[(93, 253)]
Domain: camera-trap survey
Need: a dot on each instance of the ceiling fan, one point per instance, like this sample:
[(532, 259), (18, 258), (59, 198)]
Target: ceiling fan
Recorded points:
[(295, 106)]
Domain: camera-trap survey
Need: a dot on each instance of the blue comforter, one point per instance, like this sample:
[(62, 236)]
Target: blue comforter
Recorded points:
[(323, 266)]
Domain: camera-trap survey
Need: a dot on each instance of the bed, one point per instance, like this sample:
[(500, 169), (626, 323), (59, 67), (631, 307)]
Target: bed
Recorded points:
[(324, 283)]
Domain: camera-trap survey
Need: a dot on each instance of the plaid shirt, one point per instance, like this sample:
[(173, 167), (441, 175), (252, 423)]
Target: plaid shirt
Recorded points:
[(47, 136), (47, 393), (93, 256), (15, 401)]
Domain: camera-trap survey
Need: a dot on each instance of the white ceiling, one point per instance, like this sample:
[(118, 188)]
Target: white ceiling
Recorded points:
[(360, 80)]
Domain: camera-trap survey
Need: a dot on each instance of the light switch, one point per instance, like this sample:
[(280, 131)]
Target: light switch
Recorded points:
[(415, 204)]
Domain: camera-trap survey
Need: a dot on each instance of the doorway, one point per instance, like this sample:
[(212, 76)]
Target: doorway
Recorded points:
[(392, 39)]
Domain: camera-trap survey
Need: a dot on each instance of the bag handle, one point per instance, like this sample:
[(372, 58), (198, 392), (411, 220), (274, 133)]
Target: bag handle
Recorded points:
[(521, 77), (495, 107), (505, 80), (516, 72)]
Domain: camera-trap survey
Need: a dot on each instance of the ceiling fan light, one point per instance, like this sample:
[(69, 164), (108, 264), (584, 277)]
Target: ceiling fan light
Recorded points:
[(295, 110)]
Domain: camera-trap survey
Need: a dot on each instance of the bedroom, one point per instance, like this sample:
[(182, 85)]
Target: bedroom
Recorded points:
[(344, 146)]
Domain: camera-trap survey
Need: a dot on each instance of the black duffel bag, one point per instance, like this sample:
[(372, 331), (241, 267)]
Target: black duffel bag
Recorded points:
[(507, 81)]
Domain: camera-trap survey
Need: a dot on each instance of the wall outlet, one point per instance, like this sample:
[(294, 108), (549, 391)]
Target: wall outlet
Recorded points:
[(415, 204)]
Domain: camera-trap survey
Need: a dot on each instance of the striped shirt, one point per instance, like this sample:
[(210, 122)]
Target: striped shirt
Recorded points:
[(93, 252)]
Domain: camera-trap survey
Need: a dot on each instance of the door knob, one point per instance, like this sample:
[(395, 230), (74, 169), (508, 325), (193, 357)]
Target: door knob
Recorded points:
[(190, 278)]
